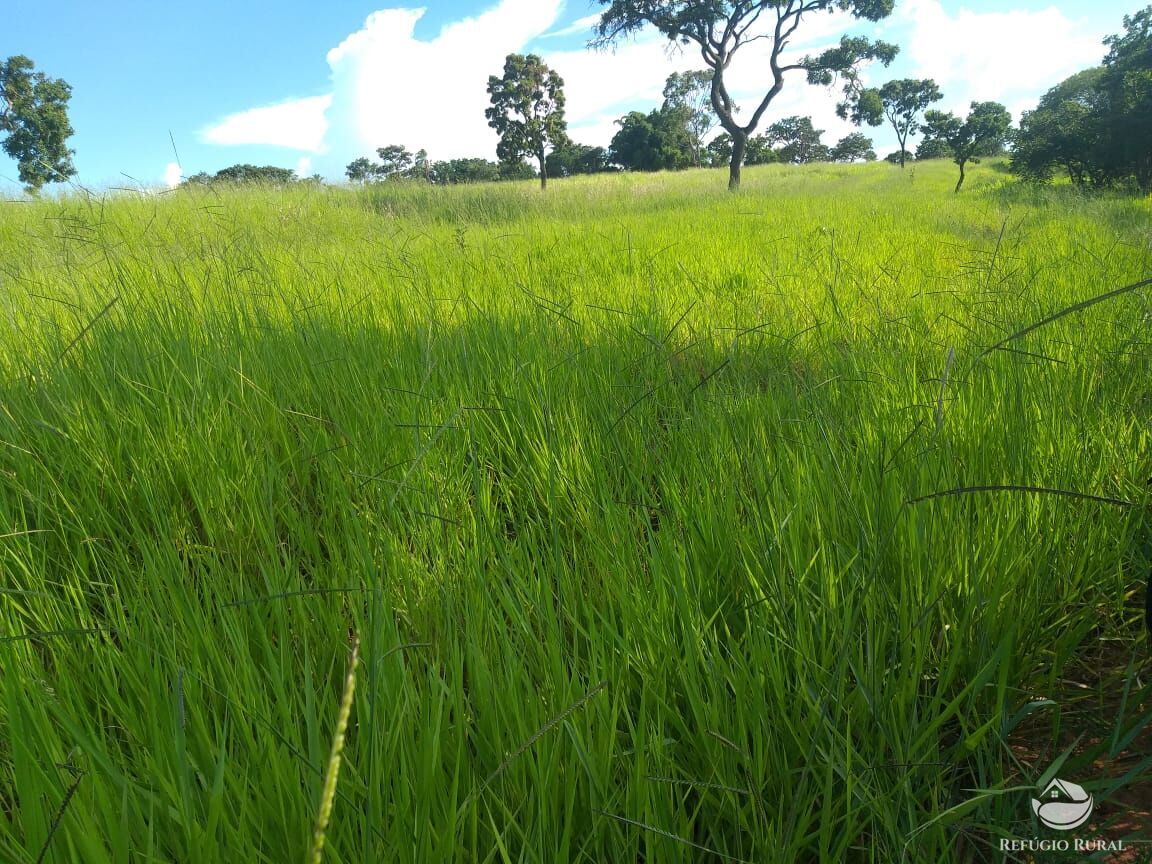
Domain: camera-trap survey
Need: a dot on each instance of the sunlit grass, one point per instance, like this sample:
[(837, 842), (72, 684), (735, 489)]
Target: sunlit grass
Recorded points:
[(612, 484)]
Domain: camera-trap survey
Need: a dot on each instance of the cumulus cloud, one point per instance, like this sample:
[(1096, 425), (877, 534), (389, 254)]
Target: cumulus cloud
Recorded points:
[(1011, 57), (391, 88), (298, 124), (580, 25), (172, 175), (303, 166)]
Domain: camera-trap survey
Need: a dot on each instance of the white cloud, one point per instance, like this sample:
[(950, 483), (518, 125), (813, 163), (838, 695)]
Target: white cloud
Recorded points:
[(298, 124), (580, 25), (392, 88), (172, 175), (1011, 57)]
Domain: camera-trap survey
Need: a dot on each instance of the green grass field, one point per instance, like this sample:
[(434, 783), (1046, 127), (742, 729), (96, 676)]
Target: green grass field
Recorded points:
[(617, 488)]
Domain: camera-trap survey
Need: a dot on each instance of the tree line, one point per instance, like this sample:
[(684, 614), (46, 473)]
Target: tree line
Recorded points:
[(1096, 126)]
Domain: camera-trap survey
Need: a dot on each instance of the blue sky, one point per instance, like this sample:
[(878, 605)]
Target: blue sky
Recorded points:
[(311, 86)]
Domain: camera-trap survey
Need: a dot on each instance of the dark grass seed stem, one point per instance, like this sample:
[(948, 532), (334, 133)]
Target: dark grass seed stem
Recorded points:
[(669, 835), (536, 736), (1043, 490), (108, 306), (1067, 310), (59, 817)]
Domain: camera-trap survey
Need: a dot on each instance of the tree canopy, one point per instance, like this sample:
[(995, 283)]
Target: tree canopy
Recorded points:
[(853, 147), (982, 132), (720, 28), (571, 158), (797, 141), (900, 102), (1064, 131), (691, 94), (527, 111), (1096, 126), (34, 122), (244, 173), (657, 141)]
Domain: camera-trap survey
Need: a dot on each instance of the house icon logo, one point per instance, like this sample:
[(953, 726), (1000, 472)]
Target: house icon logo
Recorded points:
[(1063, 805)]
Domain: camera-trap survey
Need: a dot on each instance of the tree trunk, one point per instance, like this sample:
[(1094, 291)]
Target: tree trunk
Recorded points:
[(739, 146), (960, 182), (543, 171)]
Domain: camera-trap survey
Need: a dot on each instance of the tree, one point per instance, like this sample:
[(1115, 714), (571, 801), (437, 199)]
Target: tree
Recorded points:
[(514, 169), (395, 162), (464, 171), (34, 121), (1127, 82), (720, 28), (527, 111), (760, 151), (719, 150), (360, 170), (796, 141), (245, 173), (932, 148), (983, 131), (691, 92), (572, 158), (854, 147), (657, 141), (900, 102), (1066, 130), (1096, 125)]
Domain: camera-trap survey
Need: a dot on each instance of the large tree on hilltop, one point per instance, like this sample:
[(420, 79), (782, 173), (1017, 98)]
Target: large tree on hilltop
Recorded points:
[(527, 111), (34, 122), (720, 28)]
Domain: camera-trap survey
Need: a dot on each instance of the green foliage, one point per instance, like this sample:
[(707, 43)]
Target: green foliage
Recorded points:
[(570, 159), (469, 170), (720, 28), (1065, 131), (244, 173), (1096, 126), (515, 169), (691, 92), (761, 152), (932, 148), (34, 123), (396, 163), (983, 132), (527, 111), (854, 147), (900, 102), (1127, 80), (657, 141), (796, 141), (360, 170)]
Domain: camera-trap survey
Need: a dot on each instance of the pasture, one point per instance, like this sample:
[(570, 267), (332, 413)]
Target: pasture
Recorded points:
[(629, 493)]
